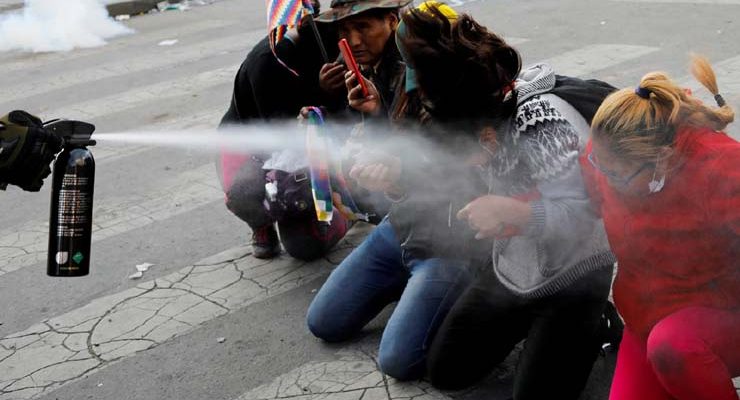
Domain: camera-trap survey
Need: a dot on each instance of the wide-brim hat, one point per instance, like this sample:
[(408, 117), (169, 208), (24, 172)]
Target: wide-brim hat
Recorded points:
[(341, 9)]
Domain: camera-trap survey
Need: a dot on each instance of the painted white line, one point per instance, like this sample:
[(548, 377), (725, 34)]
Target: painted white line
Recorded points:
[(596, 57), (353, 377), (172, 57), (182, 86), (515, 41), (26, 245), (204, 119), (104, 155), (459, 3), (85, 340), (35, 61)]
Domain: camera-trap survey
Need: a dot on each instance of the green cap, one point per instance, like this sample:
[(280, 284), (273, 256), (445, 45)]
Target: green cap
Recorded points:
[(341, 9)]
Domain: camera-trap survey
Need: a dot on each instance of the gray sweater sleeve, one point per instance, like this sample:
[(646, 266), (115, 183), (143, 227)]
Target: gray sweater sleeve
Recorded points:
[(561, 219), (564, 207), (549, 147), (565, 237)]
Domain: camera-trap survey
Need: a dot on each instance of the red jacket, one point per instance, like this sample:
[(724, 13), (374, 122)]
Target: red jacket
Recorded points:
[(679, 247)]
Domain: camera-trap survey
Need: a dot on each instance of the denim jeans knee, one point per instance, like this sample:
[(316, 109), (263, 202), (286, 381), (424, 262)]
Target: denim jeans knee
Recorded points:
[(431, 291), (370, 278)]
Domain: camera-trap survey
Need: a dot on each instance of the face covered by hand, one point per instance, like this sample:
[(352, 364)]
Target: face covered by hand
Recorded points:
[(26, 150)]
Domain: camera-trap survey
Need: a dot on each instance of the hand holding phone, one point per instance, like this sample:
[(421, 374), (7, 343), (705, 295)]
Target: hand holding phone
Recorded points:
[(349, 60)]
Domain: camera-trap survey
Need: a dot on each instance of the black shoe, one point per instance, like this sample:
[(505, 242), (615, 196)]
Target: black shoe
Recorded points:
[(265, 242)]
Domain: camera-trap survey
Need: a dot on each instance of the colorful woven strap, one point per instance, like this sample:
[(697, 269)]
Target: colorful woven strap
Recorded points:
[(325, 168)]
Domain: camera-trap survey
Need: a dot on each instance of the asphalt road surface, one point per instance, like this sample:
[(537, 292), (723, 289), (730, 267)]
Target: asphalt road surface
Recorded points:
[(208, 321)]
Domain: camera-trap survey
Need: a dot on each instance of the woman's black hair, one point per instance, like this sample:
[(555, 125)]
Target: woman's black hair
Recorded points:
[(463, 70)]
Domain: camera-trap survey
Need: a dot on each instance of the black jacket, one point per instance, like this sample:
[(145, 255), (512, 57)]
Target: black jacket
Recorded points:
[(439, 185), (264, 89)]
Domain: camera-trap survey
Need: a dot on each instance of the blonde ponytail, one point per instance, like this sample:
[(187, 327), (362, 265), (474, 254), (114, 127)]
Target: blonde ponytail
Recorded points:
[(641, 123), (716, 118)]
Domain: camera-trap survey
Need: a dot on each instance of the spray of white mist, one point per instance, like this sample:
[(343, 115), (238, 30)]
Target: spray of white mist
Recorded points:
[(245, 140), (58, 25), (435, 163)]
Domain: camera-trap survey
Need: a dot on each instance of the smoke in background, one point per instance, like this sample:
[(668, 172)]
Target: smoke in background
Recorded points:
[(58, 25)]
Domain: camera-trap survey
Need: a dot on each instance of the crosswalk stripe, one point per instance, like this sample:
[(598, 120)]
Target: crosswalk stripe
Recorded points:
[(158, 92), (515, 41), (23, 246), (353, 376), (26, 245), (204, 119), (175, 56), (139, 38), (596, 57), (61, 349)]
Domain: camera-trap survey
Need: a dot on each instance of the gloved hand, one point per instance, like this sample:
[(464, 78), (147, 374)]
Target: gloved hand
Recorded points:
[(26, 150)]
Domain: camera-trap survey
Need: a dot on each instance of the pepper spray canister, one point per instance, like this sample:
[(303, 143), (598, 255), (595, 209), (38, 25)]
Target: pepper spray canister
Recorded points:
[(70, 222)]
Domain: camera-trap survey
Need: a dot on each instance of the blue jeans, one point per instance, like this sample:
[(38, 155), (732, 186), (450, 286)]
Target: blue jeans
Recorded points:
[(375, 274)]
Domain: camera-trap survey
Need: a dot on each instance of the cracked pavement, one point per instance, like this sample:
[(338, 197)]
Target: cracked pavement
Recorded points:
[(354, 376), (157, 337), (78, 343)]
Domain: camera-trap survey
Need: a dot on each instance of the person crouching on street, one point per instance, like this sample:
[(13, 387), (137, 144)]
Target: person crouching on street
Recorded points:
[(667, 182), (551, 267)]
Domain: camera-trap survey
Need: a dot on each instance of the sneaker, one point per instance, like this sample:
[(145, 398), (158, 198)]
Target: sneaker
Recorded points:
[(265, 242)]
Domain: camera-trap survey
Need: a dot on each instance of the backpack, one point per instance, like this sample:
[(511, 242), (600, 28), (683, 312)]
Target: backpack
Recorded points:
[(584, 95)]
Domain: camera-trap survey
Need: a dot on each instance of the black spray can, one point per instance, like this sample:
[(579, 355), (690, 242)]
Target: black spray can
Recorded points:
[(70, 223)]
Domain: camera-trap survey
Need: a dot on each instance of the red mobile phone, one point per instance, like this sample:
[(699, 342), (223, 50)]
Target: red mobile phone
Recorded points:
[(349, 59)]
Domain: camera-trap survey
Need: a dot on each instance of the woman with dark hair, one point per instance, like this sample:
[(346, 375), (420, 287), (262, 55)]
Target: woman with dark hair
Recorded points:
[(667, 181), (552, 265), (424, 281)]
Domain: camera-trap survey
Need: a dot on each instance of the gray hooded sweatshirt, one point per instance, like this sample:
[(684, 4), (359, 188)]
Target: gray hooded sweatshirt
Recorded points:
[(538, 155)]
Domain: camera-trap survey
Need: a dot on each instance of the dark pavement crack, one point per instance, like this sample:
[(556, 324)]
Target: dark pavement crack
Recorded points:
[(90, 345)]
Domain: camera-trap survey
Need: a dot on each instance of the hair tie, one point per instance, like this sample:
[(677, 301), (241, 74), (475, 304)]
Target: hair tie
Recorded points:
[(720, 100), (642, 92)]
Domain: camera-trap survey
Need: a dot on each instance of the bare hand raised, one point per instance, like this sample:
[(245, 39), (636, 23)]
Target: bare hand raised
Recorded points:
[(496, 216), (331, 78), (370, 104), (377, 173)]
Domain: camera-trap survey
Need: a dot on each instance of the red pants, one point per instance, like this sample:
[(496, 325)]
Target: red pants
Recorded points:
[(691, 354)]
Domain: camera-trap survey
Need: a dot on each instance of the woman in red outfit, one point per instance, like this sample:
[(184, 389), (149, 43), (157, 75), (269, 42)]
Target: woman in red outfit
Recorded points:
[(667, 181)]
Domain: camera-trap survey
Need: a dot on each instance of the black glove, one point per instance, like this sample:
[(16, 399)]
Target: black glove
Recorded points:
[(26, 150)]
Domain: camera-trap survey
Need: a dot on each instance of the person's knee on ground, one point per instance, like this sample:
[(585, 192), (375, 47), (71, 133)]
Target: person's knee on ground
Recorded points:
[(325, 318), (668, 350), (445, 376), (308, 240), (401, 363), (307, 250), (685, 364), (325, 326), (366, 281)]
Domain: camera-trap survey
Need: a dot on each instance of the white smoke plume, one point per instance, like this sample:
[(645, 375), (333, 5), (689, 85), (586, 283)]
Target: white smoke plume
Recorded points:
[(58, 25)]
